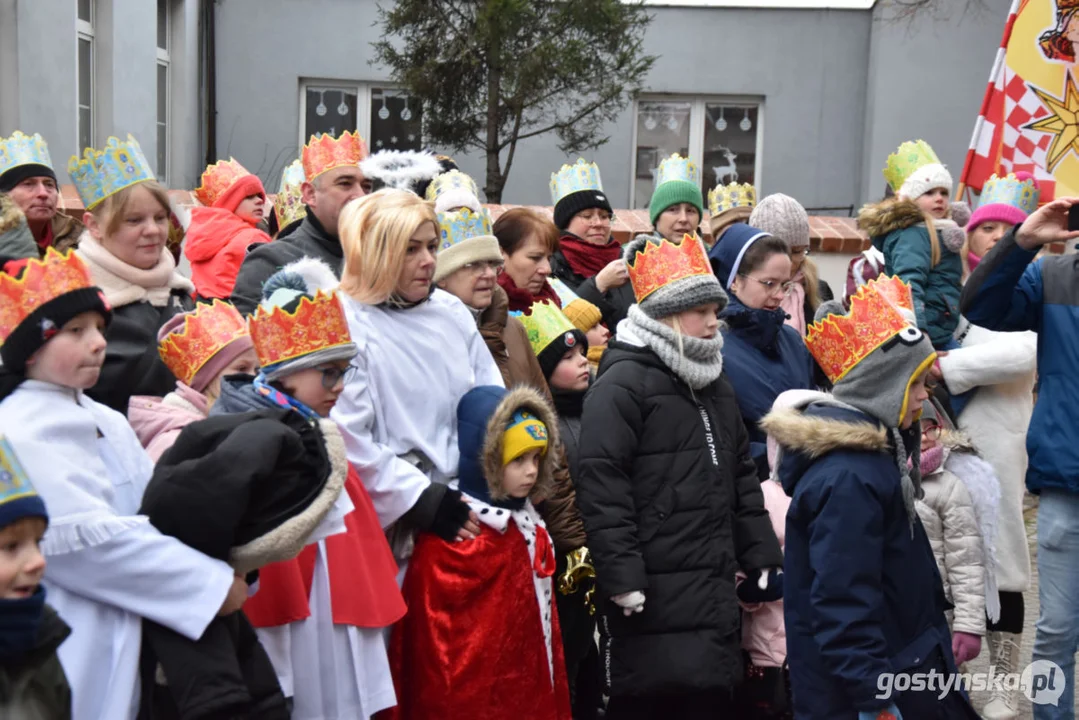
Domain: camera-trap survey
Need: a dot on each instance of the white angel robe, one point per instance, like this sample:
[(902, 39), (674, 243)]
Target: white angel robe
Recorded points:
[(107, 567), (415, 365)]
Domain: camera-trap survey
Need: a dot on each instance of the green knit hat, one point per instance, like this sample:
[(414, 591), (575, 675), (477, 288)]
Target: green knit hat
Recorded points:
[(673, 192)]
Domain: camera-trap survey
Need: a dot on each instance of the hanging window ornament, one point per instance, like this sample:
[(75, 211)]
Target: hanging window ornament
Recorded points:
[(721, 124), (320, 110), (378, 143), (384, 113), (650, 122), (342, 109), (411, 137), (406, 114), (672, 123), (746, 123), (393, 140)]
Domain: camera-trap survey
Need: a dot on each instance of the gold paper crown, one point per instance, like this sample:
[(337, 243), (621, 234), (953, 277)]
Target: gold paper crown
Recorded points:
[(665, 262), (316, 324), (545, 323), (218, 178), (326, 152), (722, 198), (677, 167), (102, 173), (20, 149), (574, 178), (1022, 194), (451, 180), (840, 342), (288, 204), (903, 162), (204, 333), (42, 281)]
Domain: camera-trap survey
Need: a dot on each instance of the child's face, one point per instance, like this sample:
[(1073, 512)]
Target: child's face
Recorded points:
[(519, 477), (984, 238), (246, 363), (571, 373), (252, 208), (319, 387), (598, 336), (73, 356), (699, 322), (930, 434), (21, 561), (934, 202)]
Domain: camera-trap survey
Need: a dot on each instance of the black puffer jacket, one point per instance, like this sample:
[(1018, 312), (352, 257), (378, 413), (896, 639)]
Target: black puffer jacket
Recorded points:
[(613, 304), (662, 516)]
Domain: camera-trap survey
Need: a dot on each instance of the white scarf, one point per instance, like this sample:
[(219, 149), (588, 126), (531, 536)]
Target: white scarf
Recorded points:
[(125, 284)]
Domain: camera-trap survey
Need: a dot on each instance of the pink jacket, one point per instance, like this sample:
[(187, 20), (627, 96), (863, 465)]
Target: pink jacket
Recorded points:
[(763, 635), (158, 421)]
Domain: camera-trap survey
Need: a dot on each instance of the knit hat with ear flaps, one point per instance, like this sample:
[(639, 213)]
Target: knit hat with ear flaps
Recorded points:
[(680, 294), (783, 217)]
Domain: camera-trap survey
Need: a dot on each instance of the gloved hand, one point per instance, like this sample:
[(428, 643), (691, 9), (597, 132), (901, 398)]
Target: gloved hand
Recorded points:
[(889, 713), (761, 586), (440, 510), (965, 647), (631, 602)]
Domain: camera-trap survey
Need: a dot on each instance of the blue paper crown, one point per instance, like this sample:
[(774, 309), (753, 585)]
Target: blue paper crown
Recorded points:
[(14, 482), (20, 149), (563, 291), (574, 178), (459, 225), (677, 167), (105, 172), (1009, 190)]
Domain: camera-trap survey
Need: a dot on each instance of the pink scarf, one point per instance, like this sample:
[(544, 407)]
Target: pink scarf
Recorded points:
[(793, 304)]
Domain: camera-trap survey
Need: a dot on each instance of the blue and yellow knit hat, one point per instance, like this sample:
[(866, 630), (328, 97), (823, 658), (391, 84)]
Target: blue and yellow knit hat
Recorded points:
[(18, 499), (525, 432)]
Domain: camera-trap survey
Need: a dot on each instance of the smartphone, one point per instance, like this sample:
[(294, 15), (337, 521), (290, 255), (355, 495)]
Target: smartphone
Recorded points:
[(1073, 218)]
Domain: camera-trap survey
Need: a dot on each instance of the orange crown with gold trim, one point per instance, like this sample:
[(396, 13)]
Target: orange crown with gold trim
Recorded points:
[(42, 281), (315, 324), (665, 262), (840, 342), (326, 152), (205, 332), (218, 178)]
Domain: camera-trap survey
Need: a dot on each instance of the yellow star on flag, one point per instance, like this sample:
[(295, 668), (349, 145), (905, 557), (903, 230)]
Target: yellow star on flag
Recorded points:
[(1063, 124)]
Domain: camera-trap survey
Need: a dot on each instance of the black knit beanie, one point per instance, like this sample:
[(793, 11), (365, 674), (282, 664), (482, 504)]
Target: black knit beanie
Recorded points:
[(551, 355), (17, 174), (575, 202)]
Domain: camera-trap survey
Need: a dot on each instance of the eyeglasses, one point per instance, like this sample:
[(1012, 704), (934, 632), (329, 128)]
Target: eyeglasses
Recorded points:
[(477, 268), (333, 375), (770, 285), (932, 432)]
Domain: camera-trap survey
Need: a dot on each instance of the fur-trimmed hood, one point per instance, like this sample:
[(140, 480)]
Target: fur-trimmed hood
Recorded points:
[(879, 219), (482, 417)]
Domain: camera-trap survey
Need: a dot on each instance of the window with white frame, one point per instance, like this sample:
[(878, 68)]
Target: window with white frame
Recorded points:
[(386, 117), (84, 39), (163, 90), (721, 135)]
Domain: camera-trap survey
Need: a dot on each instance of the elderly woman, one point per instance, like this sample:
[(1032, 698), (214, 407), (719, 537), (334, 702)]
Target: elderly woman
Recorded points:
[(527, 240), (127, 224)]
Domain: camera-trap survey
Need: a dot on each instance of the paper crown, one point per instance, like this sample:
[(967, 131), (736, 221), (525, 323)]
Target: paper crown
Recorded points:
[(42, 281), (722, 198), (288, 204), (544, 324), (218, 178), (574, 178), (840, 342), (205, 332), (14, 482), (316, 324), (459, 225), (563, 291), (677, 167), (451, 180), (101, 173), (903, 162), (326, 152), (20, 149), (665, 262), (1022, 194)]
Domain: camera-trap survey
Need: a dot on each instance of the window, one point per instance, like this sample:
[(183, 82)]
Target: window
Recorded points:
[(163, 95), (722, 136), (387, 118), (85, 69)]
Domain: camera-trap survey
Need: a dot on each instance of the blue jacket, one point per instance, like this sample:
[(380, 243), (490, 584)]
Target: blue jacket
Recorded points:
[(1008, 292), (862, 595), (762, 358)]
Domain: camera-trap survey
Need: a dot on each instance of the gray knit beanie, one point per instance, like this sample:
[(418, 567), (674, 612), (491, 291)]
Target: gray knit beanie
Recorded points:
[(679, 295), (784, 217)]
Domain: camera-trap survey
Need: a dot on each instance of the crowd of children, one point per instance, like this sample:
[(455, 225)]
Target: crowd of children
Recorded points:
[(436, 458)]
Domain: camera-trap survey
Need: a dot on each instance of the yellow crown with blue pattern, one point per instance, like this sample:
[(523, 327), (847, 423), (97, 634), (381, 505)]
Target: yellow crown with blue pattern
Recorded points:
[(18, 498), (288, 203), (1022, 194), (544, 324), (103, 173), (580, 176), (451, 180), (460, 225), (20, 149), (904, 162), (722, 198), (677, 167)]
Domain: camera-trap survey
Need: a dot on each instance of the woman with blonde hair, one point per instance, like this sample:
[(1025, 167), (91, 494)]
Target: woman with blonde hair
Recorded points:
[(419, 353)]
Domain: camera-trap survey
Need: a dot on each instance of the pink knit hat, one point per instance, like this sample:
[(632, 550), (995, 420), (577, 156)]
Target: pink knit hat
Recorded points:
[(1008, 212)]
